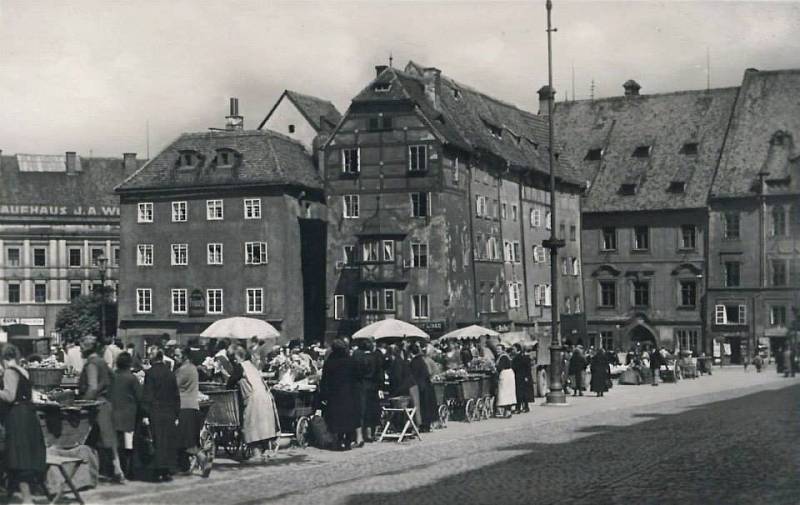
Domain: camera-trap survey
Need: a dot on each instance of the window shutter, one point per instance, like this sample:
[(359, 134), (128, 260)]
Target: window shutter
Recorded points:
[(742, 314), (548, 296), (719, 314), (537, 295)]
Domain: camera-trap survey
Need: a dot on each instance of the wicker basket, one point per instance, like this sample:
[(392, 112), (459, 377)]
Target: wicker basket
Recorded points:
[(439, 390), (294, 404), (225, 410), (46, 377)]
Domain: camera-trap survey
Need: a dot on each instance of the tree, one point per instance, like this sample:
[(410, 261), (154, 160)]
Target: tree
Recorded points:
[(82, 317)]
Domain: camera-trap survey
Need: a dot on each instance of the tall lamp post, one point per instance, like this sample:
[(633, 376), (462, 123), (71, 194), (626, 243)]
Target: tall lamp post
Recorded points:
[(102, 263), (556, 395)]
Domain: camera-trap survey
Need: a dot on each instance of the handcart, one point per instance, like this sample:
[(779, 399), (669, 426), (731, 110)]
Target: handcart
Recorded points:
[(439, 389), (224, 422), (295, 410), (485, 402), (208, 447), (464, 394)]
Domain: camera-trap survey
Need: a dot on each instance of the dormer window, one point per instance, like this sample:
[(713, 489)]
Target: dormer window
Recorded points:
[(494, 130), (689, 148), (677, 187), (188, 159), (225, 157), (642, 152), (457, 93), (594, 154), (627, 189), (291, 128), (382, 87)]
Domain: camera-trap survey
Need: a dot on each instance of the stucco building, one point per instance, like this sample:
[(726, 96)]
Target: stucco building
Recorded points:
[(304, 118)]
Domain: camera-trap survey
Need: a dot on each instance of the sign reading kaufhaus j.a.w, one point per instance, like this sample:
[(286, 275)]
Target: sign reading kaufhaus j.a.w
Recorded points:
[(59, 210)]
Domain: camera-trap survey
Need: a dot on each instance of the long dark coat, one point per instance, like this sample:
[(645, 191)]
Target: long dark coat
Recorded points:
[(601, 371), (126, 396), (24, 442), (577, 363), (400, 378), (339, 389), (161, 404), (427, 396), (371, 372), (523, 377)]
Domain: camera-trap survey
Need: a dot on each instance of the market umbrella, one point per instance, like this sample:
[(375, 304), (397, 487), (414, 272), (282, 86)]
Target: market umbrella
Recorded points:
[(470, 332), (517, 337), (391, 329), (241, 328)]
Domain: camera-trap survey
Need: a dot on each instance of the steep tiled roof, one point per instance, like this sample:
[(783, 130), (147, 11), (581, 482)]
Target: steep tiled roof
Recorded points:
[(321, 114), (261, 157), (769, 103), (93, 185), (472, 120), (666, 123)]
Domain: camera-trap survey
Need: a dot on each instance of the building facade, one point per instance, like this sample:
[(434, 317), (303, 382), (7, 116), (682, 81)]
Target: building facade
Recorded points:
[(58, 216), (307, 119), (219, 224), (438, 209)]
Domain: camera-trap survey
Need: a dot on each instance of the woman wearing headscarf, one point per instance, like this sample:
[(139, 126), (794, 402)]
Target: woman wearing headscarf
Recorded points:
[(24, 442), (523, 377), (601, 371), (338, 392), (427, 407), (161, 405), (126, 397), (577, 369), (506, 384), (189, 421)]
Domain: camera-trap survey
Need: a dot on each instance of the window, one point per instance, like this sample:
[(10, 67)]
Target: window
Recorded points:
[(688, 236), (573, 233), (577, 304), (514, 296), (641, 152), (627, 189), (514, 213), (725, 314), (180, 254), (538, 294), (115, 256), (508, 251), (779, 272), (214, 301), (539, 255), (145, 212), (144, 300), (75, 290), (372, 299), (338, 307), (567, 305), (144, 255), (417, 158), (536, 218), (608, 294), (291, 128), (609, 238), (214, 256), (97, 253), (226, 157), (595, 154), (388, 299), (641, 293), (548, 220), (481, 206), (420, 204), (641, 238), (75, 257), (255, 253), (351, 205), (419, 307), (214, 210), (188, 159), (39, 257), (252, 208), (688, 293), (548, 295), (419, 255), (369, 251), (255, 300), (351, 160), (388, 250), (40, 292), (456, 170), (687, 339), (777, 316), (348, 253), (676, 187), (731, 225), (12, 256), (689, 148), (778, 221), (562, 231), (13, 292), (380, 123), (503, 211), (382, 87), (178, 212), (179, 301), (607, 339), (576, 267), (732, 270), (565, 266)]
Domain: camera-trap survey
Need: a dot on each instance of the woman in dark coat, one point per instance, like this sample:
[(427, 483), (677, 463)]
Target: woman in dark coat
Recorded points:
[(338, 391), (24, 442), (523, 377), (577, 367), (126, 397), (427, 396), (161, 406), (370, 365), (601, 372)]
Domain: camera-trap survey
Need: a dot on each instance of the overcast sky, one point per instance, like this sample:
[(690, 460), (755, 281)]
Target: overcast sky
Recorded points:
[(87, 75)]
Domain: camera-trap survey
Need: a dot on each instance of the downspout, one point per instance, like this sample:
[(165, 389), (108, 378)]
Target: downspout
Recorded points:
[(471, 244), (523, 248)]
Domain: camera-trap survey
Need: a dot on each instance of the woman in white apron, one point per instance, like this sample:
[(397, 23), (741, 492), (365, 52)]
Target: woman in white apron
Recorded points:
[(506, 384), (260, 424)]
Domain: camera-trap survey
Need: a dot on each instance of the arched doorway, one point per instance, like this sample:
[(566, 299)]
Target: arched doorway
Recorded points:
[(641, 334)]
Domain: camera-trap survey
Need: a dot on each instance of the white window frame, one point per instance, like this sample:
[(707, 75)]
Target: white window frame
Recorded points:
[(211, 294), (346, 161), (387, 295), (387, 250), (576, 267), (419, 246), (214, 253), (254, 300), (370, 251), (179, 297), (250, 253), (144, 301), (38, 284), (351, 206), (252, 208), (414, 159), (349, 260), (339, 308), (548, 295), (80, 257), (215, 210), (372, 300), (772, 319), (175, 254), (514, 212), (536, 218), (144, 212), (180, 212), (416, 207), (417, 306), (516, 253), (144, 255), (514, 295)]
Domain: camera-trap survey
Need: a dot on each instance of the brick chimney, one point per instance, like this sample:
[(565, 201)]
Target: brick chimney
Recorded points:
[(235, 121), (71, 163), (631, 88), (379, 69), (431, 78), (129, 162), (545, 94)]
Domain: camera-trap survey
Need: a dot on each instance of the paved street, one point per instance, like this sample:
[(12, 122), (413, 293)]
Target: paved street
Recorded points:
[(729, 438)]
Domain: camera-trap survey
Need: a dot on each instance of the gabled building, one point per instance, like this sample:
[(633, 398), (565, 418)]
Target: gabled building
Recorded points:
[(754, 265), (223, 223), (645, 228), (438, 206), (303, 118)]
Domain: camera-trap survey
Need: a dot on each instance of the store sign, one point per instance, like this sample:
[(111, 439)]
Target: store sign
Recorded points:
[(30, 321), (429, 326), (59, 210)]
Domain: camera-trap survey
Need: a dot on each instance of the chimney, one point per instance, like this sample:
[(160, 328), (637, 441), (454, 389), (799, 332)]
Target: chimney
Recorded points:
[(431, 77), (379, 69), (71, 163), (235, 121), (546, 93), (631, 88), (129, 162)]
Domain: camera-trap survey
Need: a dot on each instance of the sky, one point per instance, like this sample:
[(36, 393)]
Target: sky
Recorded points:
[(91, 75)]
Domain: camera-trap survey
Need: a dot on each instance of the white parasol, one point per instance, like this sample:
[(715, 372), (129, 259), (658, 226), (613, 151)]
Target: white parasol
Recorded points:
[(391, 329), (241, 328), (470, 332)]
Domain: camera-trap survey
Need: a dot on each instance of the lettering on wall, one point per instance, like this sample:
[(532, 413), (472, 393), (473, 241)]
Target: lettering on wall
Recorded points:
[(59, 210)]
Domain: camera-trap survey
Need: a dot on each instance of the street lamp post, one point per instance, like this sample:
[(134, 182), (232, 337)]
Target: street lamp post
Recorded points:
[(102, 262), (556, 395)]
